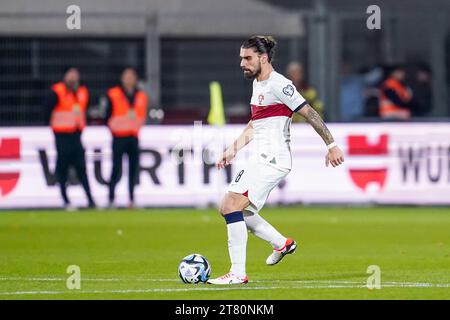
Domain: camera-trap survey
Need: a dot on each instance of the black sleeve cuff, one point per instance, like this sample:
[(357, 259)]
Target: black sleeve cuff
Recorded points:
[(301, 106)]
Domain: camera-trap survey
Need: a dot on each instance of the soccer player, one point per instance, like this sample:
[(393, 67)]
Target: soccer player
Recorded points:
[(273, 103)]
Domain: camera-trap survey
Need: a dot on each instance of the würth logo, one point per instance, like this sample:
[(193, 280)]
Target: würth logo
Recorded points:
[(9, 151), (358, 146)]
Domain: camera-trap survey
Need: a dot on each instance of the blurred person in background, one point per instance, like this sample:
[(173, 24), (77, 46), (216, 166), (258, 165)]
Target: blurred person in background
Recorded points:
[(422, 92), (296, 73), (373, 78), (66, 106), (395, 96), (126, 114), (352, 90)]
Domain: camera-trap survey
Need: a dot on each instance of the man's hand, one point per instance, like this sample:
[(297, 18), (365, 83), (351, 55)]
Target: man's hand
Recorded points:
[(334, 156), (226, 158), (229, 154)]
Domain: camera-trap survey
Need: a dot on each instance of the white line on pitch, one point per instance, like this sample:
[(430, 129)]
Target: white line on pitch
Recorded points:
[(163, 280), (86, 279), (323, 282)]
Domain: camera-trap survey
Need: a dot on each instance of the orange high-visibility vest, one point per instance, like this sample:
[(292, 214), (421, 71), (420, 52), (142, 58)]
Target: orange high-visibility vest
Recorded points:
[(69, 114), (126, 120), (387, 108)]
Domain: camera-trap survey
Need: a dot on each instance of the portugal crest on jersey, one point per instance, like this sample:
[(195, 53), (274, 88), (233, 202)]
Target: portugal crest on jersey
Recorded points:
[(260, 98)]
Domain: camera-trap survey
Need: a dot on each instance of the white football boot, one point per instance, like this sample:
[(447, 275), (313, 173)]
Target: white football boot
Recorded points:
[(229, 278), (278, 254)]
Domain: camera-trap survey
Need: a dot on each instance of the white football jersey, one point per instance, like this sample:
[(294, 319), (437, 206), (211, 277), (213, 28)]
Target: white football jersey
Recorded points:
[(273, 103)]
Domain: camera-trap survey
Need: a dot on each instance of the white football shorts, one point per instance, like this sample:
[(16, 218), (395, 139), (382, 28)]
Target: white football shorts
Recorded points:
[(256, 180)]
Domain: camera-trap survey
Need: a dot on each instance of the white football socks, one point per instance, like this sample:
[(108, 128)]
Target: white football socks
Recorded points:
[(264, 230), (237, 242)]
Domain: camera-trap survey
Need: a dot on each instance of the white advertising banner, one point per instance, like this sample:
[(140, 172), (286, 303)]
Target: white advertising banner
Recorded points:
[(386, 163)]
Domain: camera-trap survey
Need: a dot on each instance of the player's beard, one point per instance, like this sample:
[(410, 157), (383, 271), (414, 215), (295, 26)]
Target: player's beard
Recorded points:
[(252, 75)]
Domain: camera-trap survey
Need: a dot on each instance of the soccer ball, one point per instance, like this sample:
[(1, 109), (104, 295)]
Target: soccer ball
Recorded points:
[(194, 268)]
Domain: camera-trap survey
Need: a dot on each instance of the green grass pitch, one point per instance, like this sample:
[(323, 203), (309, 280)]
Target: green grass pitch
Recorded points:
[(134, 254)]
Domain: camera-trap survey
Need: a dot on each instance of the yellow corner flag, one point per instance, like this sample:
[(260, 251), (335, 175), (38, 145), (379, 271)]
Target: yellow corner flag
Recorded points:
[(216, 114)]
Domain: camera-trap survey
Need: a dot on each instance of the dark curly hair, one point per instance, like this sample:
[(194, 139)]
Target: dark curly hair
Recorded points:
[(261, 44)]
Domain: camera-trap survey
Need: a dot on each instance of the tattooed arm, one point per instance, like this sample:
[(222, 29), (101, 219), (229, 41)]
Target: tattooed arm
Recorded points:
[(334, 155)]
